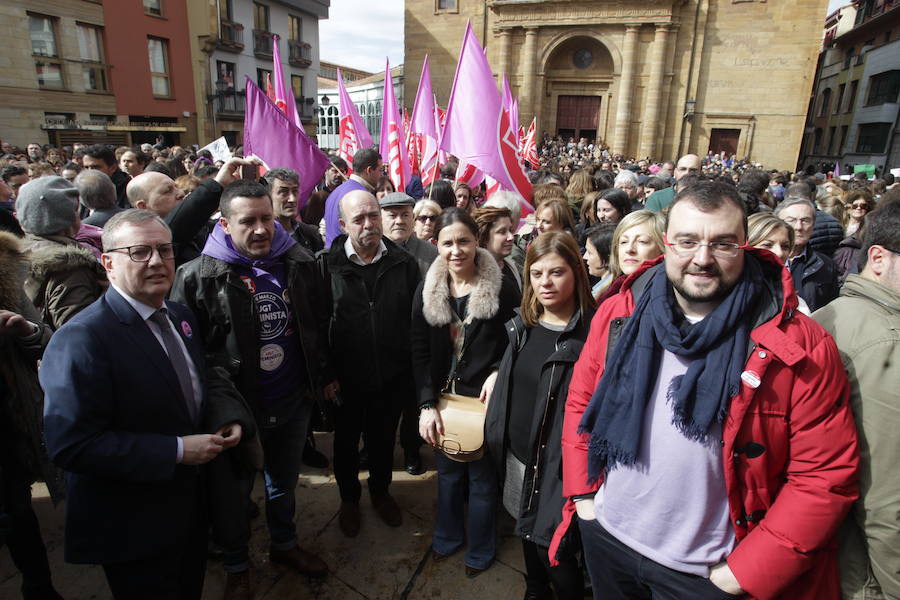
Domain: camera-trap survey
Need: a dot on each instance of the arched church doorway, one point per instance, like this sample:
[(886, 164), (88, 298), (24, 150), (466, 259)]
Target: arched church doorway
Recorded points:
[(578, 76)]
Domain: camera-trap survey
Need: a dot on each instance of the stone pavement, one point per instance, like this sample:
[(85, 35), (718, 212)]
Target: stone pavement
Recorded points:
[(382, 563)]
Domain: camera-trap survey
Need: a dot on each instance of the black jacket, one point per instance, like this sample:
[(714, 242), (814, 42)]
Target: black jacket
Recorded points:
[(815, 278), (485, 340), (189, 220), (120, 179), (228, 322), (827, 234), (542, 497), (369, 338)]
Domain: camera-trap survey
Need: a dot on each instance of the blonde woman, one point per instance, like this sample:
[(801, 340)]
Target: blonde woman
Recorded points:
[(766, 231), (638, 238)]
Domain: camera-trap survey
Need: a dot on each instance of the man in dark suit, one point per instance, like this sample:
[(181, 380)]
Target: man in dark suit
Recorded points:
[(126, 399)]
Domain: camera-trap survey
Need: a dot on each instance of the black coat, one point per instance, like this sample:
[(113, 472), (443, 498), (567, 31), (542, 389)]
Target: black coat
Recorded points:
[(826, 235), (485, 339), (815, 279), (369, 338), (189, 220), (542, 497), (228, 323)]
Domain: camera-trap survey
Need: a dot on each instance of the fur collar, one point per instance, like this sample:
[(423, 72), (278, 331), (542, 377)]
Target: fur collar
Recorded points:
[(13, 270), (484, 300), (50, 258)]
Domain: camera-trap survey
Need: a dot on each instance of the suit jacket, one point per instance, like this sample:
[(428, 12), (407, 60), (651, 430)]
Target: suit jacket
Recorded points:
[(113, 409)]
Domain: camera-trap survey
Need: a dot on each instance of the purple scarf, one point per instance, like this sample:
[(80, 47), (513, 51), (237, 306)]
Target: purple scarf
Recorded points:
[(219, 245)]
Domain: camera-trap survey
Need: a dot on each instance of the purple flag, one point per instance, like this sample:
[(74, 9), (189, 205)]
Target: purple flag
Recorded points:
[(273, 137)]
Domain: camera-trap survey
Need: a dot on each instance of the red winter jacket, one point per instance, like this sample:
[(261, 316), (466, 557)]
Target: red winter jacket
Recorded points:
[(787, 502)]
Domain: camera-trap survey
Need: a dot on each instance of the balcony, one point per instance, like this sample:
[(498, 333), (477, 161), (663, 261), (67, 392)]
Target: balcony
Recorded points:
[(262, 44), (231, 37), (300, 54), (229, 105)]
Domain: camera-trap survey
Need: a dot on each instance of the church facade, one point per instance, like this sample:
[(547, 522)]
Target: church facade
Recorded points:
[(656, 78)]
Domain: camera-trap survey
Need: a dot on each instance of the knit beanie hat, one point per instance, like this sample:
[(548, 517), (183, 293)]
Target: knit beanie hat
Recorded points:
[(46, 205)]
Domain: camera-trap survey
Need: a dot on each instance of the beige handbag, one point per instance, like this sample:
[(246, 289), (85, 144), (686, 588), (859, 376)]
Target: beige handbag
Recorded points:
[(463, 418)]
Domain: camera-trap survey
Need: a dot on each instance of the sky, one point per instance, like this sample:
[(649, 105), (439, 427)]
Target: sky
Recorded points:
[(361, 33)]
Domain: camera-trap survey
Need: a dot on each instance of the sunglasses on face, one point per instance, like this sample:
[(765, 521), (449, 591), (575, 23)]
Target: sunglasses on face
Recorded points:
[(426, 218), (859, 206)]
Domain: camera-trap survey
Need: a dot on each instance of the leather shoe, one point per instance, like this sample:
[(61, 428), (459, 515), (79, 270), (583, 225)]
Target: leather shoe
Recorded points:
[(387, 509), (534, 591), (305, 563), (348, 519), (413, 462), (473, 572), (313, 458), (438, 557), (237, 586)]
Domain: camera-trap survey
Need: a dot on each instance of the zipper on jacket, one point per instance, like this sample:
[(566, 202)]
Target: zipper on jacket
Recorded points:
[(540, 439)]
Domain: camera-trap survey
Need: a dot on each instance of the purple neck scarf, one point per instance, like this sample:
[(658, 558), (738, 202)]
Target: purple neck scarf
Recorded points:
[(219, 245)]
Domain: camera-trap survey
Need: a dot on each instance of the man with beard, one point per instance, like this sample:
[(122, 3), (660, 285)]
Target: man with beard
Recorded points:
[(262, 310), (372, 285), (702, 391), (284, 188)]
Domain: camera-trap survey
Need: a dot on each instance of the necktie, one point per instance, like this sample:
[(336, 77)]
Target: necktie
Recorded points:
[(177, 358)]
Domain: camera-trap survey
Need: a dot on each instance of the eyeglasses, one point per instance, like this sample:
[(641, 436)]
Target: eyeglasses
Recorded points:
[(142, 253), (426, 218), (859, 206), (685, 248), (793, 221)]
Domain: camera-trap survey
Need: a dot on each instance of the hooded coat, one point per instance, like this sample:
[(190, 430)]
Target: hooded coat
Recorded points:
[(789, 443)]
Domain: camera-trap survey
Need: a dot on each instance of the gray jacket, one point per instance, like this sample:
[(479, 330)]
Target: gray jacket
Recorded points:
[(424, 252), (865, 323)]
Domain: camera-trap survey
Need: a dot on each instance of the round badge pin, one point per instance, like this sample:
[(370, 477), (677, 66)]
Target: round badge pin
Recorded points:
[(186, 329), (751, 378)]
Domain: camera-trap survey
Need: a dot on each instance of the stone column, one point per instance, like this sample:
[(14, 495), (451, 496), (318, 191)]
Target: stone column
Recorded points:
[(625, 91), (651, 116), (529, 71), (505, 45)]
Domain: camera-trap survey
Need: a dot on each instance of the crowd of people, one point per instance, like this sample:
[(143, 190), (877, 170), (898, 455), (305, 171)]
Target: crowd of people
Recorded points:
[(680, 371)]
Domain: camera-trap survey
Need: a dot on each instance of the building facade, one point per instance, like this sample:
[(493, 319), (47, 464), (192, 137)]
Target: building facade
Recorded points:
[(855, 105), (655, 79), (233, 39), (96, 72), (366, 93)]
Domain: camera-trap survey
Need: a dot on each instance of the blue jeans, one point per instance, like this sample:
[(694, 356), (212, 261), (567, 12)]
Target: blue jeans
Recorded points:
[(451, 526), (283, 452)]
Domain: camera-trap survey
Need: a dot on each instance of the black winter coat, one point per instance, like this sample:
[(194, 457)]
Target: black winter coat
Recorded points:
[(227, 319), (815, 279), (491, 303), (827, 234), (369, 338), (189, 220), (542, 497)]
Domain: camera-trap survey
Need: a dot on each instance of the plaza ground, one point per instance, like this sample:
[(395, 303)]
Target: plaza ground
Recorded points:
[(382, 563)]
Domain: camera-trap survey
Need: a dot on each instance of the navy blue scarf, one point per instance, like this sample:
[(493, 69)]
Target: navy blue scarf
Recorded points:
[(717, 346)]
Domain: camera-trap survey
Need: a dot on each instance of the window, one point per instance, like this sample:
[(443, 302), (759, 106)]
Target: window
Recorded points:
[(297, 86), (837, 105), (224, 75), (90, 50), (159, 67), (851, 99), (883, 88), (295, 29), (153, 7), (840, 148), (832, 139), (817, 141), (848, 57), (826, 100), (873, 137), (260, 17), (446, 4), (45, 51), (225, 10), (261, 75)]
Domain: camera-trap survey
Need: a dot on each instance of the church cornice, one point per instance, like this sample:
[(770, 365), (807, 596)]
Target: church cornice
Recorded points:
[(527, 13)]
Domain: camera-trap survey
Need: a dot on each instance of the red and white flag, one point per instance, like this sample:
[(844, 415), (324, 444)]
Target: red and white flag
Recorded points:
[(468, 174), (529, 146), (478, 129), (393, 138), (284, 98), (353, 133), (424, 127)]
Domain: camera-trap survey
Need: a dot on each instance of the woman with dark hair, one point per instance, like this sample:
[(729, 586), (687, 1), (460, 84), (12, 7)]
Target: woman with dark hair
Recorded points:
[(384, 187), (441, 192), (523, 428), (496, 235), (597, 248), (612, 205), (458, 338)]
